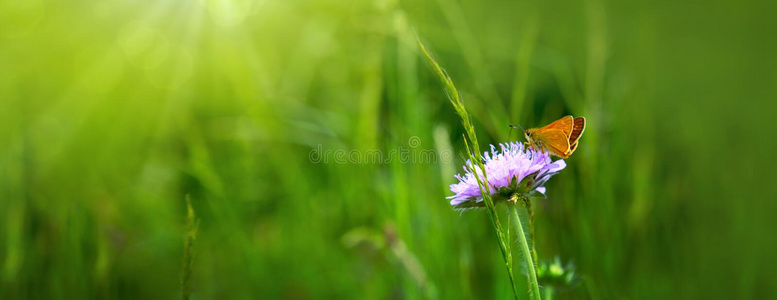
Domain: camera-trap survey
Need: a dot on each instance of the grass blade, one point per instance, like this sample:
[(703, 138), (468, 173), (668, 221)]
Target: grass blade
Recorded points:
[(474, 155)]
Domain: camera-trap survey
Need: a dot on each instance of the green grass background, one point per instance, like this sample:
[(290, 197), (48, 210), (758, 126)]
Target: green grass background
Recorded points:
[(111, 112)]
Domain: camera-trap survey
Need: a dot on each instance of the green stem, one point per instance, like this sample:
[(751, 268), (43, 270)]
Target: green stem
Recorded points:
[(527, 203), (525, 251), (188, 250)]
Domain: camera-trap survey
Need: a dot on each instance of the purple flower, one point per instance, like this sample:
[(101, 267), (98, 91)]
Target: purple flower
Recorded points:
[(511, 170)]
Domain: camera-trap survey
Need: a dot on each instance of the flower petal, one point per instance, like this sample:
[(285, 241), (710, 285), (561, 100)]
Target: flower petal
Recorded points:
[(457, 201), (555, 166), (541, 189)]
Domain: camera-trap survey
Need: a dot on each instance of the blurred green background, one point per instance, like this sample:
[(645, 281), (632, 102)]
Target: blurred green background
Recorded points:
[(111, 112)]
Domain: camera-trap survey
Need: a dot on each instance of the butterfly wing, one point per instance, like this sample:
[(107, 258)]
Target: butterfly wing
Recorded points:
[(555, 141), (565, 124), (578, 128)]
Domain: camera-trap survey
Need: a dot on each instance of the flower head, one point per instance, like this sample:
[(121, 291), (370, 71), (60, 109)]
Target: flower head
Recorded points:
[(511, 170)]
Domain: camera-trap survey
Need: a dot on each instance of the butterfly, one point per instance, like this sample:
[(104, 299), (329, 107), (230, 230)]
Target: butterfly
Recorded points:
[(558, 138)]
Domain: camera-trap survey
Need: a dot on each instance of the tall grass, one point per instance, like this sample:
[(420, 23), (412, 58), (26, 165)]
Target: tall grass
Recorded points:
[(188, 250)]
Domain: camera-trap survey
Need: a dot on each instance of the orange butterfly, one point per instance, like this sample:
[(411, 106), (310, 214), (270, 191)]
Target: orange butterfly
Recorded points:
[(559, 138)]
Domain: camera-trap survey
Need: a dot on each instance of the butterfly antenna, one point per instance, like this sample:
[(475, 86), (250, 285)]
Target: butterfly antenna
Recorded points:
[(511, 130)]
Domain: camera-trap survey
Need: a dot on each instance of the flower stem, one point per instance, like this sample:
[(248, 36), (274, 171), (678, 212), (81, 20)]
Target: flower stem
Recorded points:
[(526, 253), (527, 203)]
